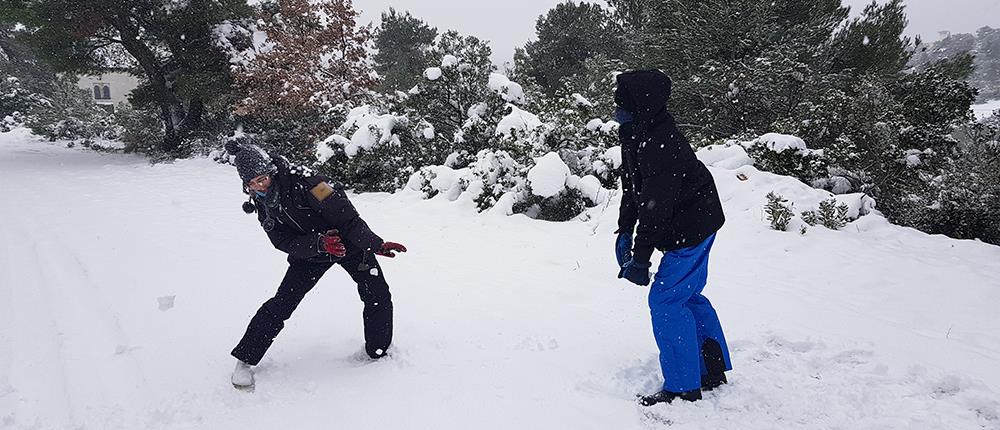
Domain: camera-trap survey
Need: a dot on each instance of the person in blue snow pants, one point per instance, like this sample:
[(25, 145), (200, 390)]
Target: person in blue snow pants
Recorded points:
[(669, 203)]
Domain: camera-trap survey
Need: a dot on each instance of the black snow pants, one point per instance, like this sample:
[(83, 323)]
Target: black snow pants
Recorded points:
[(302, 277)]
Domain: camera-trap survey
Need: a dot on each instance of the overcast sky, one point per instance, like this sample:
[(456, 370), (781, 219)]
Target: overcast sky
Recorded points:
[(510, 23)]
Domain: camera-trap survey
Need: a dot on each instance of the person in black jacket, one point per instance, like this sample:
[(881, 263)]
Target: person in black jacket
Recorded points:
[(670, 203), (311, 220)]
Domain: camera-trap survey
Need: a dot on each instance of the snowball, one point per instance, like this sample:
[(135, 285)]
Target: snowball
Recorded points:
[(448, 61), (165, 302), (517, 120), (432, 73), (429, 132), (548, 176)]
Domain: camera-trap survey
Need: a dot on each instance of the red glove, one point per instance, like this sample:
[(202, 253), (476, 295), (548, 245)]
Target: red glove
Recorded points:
[(332, 244), (388, 248)]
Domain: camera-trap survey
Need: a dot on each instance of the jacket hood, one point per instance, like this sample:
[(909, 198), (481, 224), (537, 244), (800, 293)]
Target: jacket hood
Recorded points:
[(644, 93)]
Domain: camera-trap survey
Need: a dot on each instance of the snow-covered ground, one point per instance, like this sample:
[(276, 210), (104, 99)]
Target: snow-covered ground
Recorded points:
[(501, 322), (986, 109)]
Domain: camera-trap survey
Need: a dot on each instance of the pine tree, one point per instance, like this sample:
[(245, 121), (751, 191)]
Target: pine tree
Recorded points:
[(778, 211), (873, 43), (403, 43), (458, 102), (25, 82), (568, 35), (170, 44)]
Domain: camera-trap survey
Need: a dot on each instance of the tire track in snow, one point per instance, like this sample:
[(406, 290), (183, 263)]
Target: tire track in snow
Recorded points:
[(97, 371), (33, 353)]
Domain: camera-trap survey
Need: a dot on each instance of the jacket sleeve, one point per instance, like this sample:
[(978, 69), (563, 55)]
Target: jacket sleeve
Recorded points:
[(335, 207), (627, 213), (657, 201), (296, 245)]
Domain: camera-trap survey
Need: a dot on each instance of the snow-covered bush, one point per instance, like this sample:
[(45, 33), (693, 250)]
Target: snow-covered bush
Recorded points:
[(371, 151), (831, 214), (554, 193), (542, 188), (15, 100), (786, 155), (467, 106), (495, 173), (70, 114), (140, 129)]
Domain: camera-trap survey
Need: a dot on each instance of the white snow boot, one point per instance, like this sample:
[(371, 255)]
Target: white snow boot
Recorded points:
[(242, 375)]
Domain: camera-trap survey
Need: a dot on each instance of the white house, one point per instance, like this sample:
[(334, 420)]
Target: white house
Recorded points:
[(109, 89)]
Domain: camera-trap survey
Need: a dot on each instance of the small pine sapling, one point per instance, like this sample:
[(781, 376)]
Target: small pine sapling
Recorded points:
[(779, 211)]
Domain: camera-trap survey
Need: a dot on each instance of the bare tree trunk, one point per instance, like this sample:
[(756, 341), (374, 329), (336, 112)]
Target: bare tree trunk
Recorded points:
[(172, 109)]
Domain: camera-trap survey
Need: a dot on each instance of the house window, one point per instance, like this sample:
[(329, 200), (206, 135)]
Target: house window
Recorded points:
[(102, 92)]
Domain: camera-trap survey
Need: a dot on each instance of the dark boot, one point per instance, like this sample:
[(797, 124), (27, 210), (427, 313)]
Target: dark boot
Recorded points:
[(711, 352), (667, 397)]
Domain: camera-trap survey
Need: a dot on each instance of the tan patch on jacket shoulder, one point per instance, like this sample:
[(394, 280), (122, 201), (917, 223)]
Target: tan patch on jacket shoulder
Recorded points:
[(321, 191)]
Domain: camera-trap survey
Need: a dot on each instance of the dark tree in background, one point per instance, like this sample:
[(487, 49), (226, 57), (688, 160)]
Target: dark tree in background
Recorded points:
[(973, 57), (170, 45), (873, 43), (25, 81), (568, 35), (403, 43)]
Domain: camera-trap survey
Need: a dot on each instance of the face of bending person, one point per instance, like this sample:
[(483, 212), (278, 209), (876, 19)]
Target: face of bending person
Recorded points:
[(261, 183)]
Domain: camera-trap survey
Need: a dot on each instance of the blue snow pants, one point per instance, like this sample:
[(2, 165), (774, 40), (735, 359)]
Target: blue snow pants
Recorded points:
[(683, 319)]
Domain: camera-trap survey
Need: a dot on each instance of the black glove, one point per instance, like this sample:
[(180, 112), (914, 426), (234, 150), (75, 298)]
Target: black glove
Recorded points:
[(637, 272)]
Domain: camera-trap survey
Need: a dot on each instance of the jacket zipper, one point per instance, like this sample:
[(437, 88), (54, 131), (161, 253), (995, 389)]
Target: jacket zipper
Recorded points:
[(292, 219)]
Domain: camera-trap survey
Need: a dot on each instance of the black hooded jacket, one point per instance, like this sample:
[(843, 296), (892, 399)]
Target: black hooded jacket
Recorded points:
[(668, 192), (307, 207)]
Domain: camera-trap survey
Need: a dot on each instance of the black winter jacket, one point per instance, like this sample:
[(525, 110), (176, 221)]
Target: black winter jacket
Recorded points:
[(308, 206), (667, 190)]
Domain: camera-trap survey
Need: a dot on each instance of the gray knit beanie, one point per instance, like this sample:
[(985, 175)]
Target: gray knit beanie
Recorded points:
[(251, 161)]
